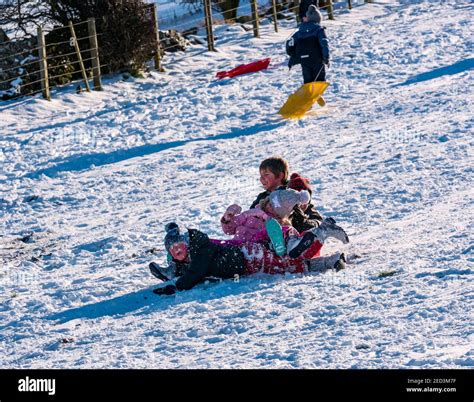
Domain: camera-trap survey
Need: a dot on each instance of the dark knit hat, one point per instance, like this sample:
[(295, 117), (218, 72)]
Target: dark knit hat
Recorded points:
[(299, 183), (173, 235), (313, 14)]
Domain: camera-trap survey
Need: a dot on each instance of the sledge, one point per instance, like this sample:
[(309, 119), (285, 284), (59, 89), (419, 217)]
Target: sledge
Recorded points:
[(245, 69), (303, 99)]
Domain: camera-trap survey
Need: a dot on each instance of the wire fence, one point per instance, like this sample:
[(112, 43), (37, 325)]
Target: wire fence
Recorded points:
[(58, 86), (273, 11), (53, 62), (66, 59), (291, 10)]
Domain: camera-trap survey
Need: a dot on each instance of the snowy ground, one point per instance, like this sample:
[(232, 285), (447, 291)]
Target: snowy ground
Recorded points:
[(181, 17), (88, 182)]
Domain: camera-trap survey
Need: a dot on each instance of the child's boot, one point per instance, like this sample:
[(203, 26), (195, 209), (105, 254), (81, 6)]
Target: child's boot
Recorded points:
[(325, 230), (335, 261), (340, 263), (275, 233)]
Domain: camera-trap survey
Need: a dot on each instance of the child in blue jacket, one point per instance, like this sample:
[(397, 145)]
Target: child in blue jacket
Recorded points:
[(309, 46)]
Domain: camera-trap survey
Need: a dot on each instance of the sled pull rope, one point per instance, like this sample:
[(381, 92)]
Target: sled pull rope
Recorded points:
[(321, 69)]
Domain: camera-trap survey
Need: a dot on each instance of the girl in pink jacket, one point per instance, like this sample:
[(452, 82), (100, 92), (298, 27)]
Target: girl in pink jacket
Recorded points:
[(249, 226)]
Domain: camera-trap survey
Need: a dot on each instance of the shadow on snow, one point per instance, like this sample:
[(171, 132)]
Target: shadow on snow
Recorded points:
[(144, 302), (82, 162), (456, 68)]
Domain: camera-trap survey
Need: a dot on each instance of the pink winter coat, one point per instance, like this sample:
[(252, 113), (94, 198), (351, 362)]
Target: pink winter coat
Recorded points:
[(248, 226)]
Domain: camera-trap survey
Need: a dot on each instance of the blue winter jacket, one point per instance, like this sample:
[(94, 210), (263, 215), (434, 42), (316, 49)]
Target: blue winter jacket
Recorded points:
[(309, 46)]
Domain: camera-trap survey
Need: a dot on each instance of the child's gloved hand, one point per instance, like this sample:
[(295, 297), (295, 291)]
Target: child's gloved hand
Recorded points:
[(234, 209), (167, 290), (231, 211), (260, 214), (326, 61)]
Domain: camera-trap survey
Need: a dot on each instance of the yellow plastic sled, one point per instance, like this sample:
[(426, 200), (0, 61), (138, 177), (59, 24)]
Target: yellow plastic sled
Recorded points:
[(303, 99)]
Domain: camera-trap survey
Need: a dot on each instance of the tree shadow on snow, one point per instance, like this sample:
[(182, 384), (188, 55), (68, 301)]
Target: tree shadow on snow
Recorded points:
[(82, 162), (69, 89), (456, 68)]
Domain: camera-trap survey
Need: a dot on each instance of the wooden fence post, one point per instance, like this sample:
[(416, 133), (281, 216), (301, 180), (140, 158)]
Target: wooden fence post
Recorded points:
[(349, 4), (94, 46), (296, 5), (208, 20), (156, 31), (275, 21), (79, 56), (330, 10), (43, 65), (256, 32)]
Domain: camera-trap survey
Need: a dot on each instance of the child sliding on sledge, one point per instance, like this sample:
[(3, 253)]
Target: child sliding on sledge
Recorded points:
[(204, 257), (250, 225), (297, 211), (274, 175), (269, 221)]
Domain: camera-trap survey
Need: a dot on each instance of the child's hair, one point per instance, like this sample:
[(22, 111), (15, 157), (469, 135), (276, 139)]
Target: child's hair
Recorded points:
[(263, 206), (263, 203), (276, 165)]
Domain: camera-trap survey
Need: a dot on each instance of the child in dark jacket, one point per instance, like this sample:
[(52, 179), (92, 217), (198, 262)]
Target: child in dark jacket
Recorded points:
[(309, 46), (304, 217), (204, 257), (274, 174)]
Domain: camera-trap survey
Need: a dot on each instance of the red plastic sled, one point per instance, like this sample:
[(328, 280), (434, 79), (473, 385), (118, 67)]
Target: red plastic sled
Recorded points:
[(245, 69)]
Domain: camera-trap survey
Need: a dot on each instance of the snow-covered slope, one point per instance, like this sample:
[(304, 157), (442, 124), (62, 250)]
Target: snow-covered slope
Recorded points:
[(94, 178), (176, 15)]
